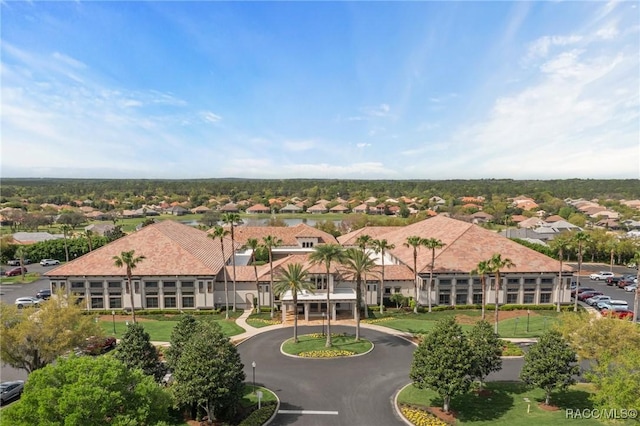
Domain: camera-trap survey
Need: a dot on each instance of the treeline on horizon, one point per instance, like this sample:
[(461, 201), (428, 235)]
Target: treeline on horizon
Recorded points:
[(52, 189)]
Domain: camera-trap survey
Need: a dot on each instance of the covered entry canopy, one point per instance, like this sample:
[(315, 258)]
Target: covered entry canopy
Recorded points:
[(305, 297)]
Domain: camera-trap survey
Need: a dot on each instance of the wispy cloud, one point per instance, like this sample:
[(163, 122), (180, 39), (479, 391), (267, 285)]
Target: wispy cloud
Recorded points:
[(372, 112), (210, 117), (299, 145)]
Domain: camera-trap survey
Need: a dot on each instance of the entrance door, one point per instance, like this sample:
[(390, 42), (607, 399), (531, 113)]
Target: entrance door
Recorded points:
[(371, 295)]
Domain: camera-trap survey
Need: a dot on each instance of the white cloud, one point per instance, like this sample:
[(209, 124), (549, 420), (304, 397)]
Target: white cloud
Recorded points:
[(372, 112), (363, 145), (210, 117), (540, 48), (608, 32)]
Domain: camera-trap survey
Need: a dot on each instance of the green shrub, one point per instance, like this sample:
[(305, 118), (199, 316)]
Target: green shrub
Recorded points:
[(260, 417)]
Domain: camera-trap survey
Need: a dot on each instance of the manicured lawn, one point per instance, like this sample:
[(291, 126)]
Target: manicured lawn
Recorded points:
[(421, 323), (316, 343), (506, 405), (28, 278), (161, 330), (250, 398)]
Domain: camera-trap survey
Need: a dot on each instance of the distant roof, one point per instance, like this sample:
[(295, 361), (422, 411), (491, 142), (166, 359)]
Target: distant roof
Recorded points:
[(35, 237)]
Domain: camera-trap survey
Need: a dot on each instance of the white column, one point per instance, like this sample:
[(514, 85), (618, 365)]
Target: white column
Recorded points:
[(306, 311)]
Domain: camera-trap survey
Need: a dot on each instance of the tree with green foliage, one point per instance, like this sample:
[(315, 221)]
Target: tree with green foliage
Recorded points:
[(269, 243), (253, 244), (432, 244), (325, 254), (66, 229), (482, 269), (220, 233), (487, 351), (561, 245), (210, 218), (358, 263), (89, 391), (136, 351), (364, 242), (550, 364), (232, 219), (129, 260), (21, 255), (295, 280), (443, 361), (496, 263), (180, 335), (579, 240), (209, 373), (32, 339), (415, 242), (381, 247), (616, 377), (636, 298)]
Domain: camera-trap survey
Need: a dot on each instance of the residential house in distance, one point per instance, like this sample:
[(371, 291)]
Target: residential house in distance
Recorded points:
[(317, 209), (258, 209), (291, 208)]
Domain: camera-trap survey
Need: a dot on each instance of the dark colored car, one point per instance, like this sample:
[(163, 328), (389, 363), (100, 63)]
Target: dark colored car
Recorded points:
[(44, 294), (587, 294), (624, 282), (611, 281), (14, 272), (99, 345), (581, 290)]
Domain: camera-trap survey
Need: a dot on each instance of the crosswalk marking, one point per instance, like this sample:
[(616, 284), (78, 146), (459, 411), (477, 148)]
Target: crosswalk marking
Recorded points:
[(333, 413)]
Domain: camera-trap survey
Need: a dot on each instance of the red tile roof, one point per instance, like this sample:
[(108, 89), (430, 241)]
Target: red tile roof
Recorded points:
[(288, 234), (170, 248)]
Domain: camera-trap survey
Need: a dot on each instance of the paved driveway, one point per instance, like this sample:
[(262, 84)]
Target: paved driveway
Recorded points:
[(351, 391)]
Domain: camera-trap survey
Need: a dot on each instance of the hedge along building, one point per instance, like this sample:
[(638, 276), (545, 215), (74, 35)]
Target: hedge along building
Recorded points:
[(534, 278), (183, 268)]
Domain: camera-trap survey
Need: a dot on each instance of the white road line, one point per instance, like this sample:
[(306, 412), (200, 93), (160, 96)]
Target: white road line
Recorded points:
[(334, 413)]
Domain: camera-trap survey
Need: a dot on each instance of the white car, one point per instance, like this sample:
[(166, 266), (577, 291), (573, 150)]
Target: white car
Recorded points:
[(593, 301), (49, 262), (24, 302), (602, 275), (613, 305), (631, 287)]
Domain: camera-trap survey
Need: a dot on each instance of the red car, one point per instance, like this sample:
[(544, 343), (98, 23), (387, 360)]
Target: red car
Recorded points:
[(621, 314), (14, 272), (587, 294)]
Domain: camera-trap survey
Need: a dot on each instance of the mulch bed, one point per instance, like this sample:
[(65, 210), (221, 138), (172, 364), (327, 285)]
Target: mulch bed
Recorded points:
[(449, 417), (546, 407)]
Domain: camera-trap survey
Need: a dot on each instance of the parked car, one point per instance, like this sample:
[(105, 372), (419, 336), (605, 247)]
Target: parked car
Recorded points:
[(611, 281), (16, 262), (588, 294), (631, 287), (49, 262), (618, 313), (613, 305), (11, 390), (24, 302), (14, 272), (44, 294), (581, 290), (624, 283), (593, 301), (602, 275), (99, 345)]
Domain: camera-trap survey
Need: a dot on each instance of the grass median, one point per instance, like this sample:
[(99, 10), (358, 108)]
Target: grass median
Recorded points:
[(313, 346)]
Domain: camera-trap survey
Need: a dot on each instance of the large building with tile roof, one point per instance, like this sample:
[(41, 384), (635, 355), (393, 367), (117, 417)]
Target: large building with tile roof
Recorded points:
[(184, 268)]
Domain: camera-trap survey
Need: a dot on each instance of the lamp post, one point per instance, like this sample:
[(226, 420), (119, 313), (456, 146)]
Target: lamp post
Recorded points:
[(113, 317), (323, 323), (528, 313), (253, 366)]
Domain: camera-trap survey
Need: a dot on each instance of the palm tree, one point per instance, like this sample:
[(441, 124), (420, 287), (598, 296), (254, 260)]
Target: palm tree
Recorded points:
[(294, 279), (560, 244), (636, 299), (482, 269), (579, 239), (325, 254), (129, 260), (495, 264), (89, 234), (219, 232), (364, 241), (253, 244), (20, 254), (65, 231), (381, 246), (269, 242), (415, 242), (358, 262), (232, 219), (432, 244)]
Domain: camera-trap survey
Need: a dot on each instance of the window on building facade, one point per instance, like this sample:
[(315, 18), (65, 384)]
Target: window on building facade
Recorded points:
[(477, 298), (264, 288), (115, 302), (529, 295), (387, 290), (320, 282), (187, 284), (545, 294), (187, 302), (114, 285), (512, 298), (170, 302), (513, 291), (461, 298), (444, 298), (201, 286), (397, 289), (95, 285), (76, 285), (97, 302), (151, 302), (169, 285), (372, 287)]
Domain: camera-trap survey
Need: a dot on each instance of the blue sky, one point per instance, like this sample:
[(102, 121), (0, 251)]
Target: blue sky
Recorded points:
[(364, 90)]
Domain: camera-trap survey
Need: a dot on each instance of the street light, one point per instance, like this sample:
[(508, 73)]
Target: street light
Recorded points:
[(253, 365), (113, 316), (528, 313), (323, 323)]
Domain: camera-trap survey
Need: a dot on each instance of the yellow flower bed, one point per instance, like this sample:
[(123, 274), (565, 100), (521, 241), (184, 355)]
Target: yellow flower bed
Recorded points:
[(329, 353), (377, 320), (320, 335), (268, 322), (421, 417)]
